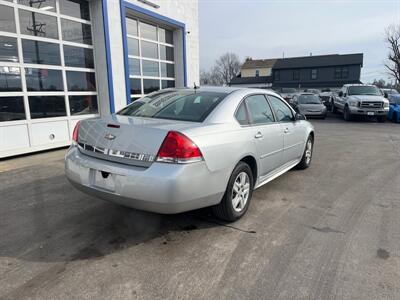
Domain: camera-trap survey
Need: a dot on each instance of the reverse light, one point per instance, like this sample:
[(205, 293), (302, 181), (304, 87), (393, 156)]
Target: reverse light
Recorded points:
[(75, 133), (179, 149)]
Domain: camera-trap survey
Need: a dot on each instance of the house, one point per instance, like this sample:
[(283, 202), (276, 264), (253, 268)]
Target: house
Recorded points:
[(65, 60), (319, 71)]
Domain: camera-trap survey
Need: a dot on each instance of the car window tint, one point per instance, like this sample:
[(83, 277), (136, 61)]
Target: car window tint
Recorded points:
[(283, 112), (176, 105), (241, 114), (259, 109)]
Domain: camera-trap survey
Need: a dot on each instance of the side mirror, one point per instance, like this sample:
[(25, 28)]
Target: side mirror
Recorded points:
[(299, 117), (340, 94), (385, 95)]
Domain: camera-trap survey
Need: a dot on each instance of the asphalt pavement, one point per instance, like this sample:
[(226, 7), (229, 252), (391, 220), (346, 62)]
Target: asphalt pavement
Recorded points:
[(329, 232)]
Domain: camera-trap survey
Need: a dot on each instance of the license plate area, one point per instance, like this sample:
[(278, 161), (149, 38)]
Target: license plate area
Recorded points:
[(102, 179), (370, 113)]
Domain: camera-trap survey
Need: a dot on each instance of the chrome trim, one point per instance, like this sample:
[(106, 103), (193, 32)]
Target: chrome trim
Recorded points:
[(117, 153)]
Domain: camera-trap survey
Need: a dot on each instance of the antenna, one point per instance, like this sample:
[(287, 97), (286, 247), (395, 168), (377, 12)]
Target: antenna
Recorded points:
[(195, 86)]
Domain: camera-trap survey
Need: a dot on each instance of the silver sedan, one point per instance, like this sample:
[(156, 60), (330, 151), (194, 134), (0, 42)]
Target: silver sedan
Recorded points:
[(182, 149)]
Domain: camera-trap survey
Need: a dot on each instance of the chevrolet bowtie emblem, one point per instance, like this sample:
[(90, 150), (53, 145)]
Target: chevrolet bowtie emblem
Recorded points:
[(109, 136)]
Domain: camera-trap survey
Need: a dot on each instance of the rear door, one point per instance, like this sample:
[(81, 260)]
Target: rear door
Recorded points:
[(293, 132), (268, 134)]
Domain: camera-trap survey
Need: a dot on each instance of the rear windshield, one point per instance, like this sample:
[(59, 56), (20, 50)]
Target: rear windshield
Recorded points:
[(309, 99), (181, 105)]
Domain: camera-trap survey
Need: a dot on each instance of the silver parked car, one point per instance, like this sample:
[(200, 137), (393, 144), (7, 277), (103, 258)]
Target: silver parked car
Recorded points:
[(310, 105), (182, 149)]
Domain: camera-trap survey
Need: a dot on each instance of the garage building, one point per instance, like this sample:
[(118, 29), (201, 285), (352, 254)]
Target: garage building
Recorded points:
[(65, 60)]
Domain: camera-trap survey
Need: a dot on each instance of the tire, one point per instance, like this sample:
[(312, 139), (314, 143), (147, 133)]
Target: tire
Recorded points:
[(381, 119), (307, 156), (346, 114), (241, 177)]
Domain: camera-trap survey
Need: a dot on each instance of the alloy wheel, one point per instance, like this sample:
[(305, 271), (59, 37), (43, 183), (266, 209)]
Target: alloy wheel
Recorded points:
[(240, 191)]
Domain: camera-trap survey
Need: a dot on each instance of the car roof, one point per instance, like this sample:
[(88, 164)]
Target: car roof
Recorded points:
[(358, 84)]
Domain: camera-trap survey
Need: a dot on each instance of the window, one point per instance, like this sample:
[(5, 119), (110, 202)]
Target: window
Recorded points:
[(46, 5), (76, 32), (8, 49), (81, 81), (282, 111), (133, 47), (175, 105), (150, 68), (149, 49), (47, 106), (134, 67), (314, 74), (167, 70), (342, 72), (277, 75), (82, 105), (166, 36), (43, 80), (12, 109), (78, 57), (296, 75), (259, 109), (166, 84), (166, 53), (257, 73), (150, 85), (10, 79), (41, 52), (151, 57), (136, 86), (7, 21), (75, 8), (36, 24), (241, 114), (148, 31)]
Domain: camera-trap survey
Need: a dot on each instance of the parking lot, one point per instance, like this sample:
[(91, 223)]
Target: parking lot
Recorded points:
[(329, 232)]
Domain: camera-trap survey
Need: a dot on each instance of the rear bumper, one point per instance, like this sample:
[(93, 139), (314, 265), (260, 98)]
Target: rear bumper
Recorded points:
[(161, 188)]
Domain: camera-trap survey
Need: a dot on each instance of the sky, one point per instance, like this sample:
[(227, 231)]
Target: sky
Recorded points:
[(273, 28)]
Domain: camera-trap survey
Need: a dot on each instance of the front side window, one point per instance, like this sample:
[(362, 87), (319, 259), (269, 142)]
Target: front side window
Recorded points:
[(282, 111), (259, 109), (175, 105)]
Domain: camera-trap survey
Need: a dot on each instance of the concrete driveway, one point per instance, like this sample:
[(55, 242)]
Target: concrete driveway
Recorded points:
[(329, 232)]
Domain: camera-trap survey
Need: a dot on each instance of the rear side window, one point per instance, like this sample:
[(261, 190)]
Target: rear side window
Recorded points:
[(180, 105), (282, 111), (241, 114), (259, 109)]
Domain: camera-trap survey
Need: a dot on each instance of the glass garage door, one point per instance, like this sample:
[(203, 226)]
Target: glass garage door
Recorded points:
[(46, 69), (151, 57)]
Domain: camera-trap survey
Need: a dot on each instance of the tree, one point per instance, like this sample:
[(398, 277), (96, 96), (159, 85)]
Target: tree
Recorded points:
[(211, 77), (393, 60), (227, 66)]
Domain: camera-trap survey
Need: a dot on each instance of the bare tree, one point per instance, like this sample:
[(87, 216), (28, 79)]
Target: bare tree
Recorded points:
[(393, 60), (227, 66), (211, 77)]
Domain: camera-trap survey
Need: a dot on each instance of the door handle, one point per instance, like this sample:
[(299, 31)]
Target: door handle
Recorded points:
[(286, 130), (258, 135)]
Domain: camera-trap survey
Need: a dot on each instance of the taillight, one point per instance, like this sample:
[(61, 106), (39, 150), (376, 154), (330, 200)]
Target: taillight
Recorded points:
[(178, 148), (75, 133)]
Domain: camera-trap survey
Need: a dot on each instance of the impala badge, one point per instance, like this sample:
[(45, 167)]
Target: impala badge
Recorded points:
[(109, 136)]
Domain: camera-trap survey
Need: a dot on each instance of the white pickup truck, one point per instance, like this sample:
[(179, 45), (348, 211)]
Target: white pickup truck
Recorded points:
[(361, 99)]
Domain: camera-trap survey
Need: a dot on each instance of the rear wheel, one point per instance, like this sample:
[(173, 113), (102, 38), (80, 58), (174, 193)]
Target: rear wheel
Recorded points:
[(307, 155), (238, 194)]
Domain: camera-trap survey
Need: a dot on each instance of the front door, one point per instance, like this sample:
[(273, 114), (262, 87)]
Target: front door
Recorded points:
[(268, 134)]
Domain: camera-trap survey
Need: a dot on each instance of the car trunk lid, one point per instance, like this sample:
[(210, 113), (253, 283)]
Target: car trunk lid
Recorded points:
[(125, 139)]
